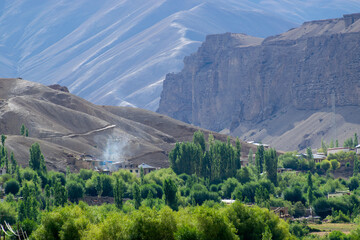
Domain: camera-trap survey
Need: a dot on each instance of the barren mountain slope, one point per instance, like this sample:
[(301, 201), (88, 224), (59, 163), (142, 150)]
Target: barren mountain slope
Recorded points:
[(118, 52), (67, 126), (279, 90)]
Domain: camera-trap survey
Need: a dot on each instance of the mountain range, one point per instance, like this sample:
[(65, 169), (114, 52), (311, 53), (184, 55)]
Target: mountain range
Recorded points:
[(289, 90), (118, 52)]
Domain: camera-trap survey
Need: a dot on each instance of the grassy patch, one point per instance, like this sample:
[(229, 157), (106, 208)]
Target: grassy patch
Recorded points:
[(329, 227)]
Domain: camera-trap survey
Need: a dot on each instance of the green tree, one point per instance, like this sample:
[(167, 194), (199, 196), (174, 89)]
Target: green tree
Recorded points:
[(12, 186), (309, 153), (271, 162), (198, 138), (323, 146), (243, 175), (337, 143), (356, 140), (60, 194), (22, 130), (356, 166), (75, 191), (136, 195), (349, 143), (37, 161), (3, 138), (238, 153), (141, 175), (325, 165), (267, 234), (99, 185), (13, 163), (26, 132), (299, 210), (310, 192), (334, 164), (118, 193), (259, 159), (353, 183), (250, 157), (170, 192)]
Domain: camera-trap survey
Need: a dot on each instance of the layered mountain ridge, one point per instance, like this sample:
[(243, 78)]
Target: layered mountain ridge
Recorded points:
[(118, 52), (245, 84)]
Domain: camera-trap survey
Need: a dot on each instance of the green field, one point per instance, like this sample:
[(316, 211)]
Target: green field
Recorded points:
[(329, 227)]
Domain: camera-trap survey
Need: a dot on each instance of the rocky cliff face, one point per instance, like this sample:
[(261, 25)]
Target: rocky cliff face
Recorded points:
[(235, 79)]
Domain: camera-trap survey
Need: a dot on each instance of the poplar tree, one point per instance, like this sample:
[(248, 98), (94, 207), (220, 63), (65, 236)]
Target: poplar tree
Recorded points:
[(3, 138), (118, 193), (60, 194), (13, 163), (141, 175), (198, 138), (310, 192), (250, 157), (356, 141), (98, 185), (259, 159), (238, 153), (136, 195), (271, 162), (170, 191), (356, 166), (309, 153), (37, 161), (22, 130)]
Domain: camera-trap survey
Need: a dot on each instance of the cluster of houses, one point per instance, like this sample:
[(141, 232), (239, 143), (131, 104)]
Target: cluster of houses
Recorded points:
[(107, 167), (318, 157)]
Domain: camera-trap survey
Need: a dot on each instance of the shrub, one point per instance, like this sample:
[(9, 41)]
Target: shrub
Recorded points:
[(85, 174), (75, 191), (12, 186), (294, 195)]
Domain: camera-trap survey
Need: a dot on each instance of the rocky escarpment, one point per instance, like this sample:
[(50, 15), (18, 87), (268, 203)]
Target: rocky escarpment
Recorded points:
[(235, 79)]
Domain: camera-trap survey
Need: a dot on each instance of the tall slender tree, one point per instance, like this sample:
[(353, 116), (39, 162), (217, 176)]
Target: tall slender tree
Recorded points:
[(259, 159), (3, 138), (170, 191), (250, 157), (271, 162), (37, 160), (238, 153), (356, 140), (356, 165), (310, 192), (118, 193), (199, 138), (136, 195), (22, 130)]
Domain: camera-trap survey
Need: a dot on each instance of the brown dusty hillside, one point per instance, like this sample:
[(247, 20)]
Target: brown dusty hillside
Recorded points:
[(67, 126)]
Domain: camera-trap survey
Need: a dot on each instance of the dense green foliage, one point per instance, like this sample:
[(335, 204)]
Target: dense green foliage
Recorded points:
[(166, 204), (216, 162)]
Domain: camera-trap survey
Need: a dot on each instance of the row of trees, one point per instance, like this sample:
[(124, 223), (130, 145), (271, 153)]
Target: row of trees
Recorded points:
[(202, 222), (213, 160), (266, 161)]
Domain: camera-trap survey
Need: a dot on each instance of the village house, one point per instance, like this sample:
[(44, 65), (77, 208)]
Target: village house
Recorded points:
[(318, 157), (337, 149), (133, 168), (358, 149)]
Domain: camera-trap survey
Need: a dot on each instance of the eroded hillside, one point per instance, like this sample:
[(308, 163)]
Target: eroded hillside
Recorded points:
[(67, 126)]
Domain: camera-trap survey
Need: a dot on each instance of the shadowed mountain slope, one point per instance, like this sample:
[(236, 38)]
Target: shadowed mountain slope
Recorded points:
[(280, 90)]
